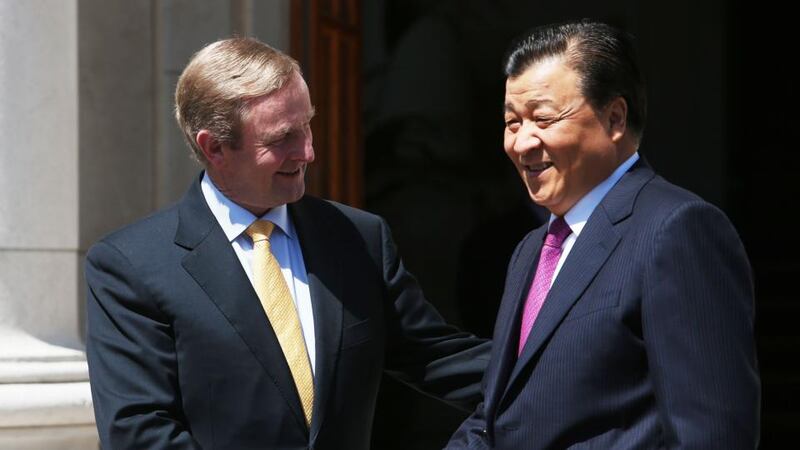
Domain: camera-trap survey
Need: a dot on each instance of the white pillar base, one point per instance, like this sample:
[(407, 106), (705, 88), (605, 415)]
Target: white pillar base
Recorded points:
[(49, 438), (45, 400)]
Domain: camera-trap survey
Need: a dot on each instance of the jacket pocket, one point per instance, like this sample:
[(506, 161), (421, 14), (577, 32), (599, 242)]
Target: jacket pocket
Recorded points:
[(356, 334), (592, 303)]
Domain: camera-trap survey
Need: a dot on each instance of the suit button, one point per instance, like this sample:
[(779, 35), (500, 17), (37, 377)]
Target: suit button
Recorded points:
[(484, 432)]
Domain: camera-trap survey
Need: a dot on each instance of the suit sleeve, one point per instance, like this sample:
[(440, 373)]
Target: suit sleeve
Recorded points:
[(131, 355), (423, 350), (472, 433), (697, 319)]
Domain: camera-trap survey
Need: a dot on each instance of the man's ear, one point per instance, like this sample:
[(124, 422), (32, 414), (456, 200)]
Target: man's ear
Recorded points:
[(616, 117), (210, 146)]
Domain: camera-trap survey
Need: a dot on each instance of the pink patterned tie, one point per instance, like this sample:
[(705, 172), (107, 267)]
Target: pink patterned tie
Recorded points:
[(551, 252)]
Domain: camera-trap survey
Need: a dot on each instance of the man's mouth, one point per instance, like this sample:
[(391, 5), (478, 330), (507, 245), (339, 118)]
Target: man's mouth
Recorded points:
[(290, 173), (536, 169)]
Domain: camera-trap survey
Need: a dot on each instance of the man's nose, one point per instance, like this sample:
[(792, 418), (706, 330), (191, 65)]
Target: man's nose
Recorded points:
[(527, 140), (308, 146)]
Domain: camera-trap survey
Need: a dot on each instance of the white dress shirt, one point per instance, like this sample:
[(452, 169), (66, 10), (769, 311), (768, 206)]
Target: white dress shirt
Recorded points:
[(284, 243), (577, 216)]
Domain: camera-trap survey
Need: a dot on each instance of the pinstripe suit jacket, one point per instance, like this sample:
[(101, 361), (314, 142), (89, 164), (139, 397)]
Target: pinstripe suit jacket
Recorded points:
[(644, 341)]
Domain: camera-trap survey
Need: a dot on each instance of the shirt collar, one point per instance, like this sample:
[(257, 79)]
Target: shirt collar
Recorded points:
[(579, 214), (234, 219)]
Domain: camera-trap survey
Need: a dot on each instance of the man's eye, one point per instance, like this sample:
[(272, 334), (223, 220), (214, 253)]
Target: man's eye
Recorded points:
[(276, 140), (512, 124)]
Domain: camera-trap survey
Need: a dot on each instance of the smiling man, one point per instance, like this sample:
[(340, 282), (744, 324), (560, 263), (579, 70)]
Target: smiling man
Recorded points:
[(249, 315), (627, 321)]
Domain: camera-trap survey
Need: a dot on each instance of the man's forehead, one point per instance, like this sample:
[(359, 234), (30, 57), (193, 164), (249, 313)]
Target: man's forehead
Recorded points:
[(542, 83), (529, 93)]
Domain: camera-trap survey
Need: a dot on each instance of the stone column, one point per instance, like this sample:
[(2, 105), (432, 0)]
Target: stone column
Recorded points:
[(45, 401), (89, 144)]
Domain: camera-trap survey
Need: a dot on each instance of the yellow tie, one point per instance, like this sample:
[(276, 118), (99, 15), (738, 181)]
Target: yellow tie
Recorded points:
[(277, 302)]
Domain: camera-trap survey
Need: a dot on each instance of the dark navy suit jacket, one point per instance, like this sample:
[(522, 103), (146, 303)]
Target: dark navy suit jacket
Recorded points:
[(181, 354), (644, 341)]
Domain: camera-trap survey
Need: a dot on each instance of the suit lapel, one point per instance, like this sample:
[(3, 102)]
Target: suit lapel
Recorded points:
[(508, 322), (213, 264), (323, 265), (590, 251)]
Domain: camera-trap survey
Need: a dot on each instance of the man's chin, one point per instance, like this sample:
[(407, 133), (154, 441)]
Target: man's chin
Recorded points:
[(295, 195)]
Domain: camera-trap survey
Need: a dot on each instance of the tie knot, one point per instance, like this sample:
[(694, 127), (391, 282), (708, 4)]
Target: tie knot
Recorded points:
[(260, 230), (558, 232)]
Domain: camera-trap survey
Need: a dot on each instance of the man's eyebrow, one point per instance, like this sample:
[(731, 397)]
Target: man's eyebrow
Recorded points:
[(267, 136), (530, 104), (533, 103), (285, 129)]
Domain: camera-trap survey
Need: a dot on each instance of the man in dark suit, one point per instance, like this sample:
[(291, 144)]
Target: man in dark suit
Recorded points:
[(250, 316), (627, 322)]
